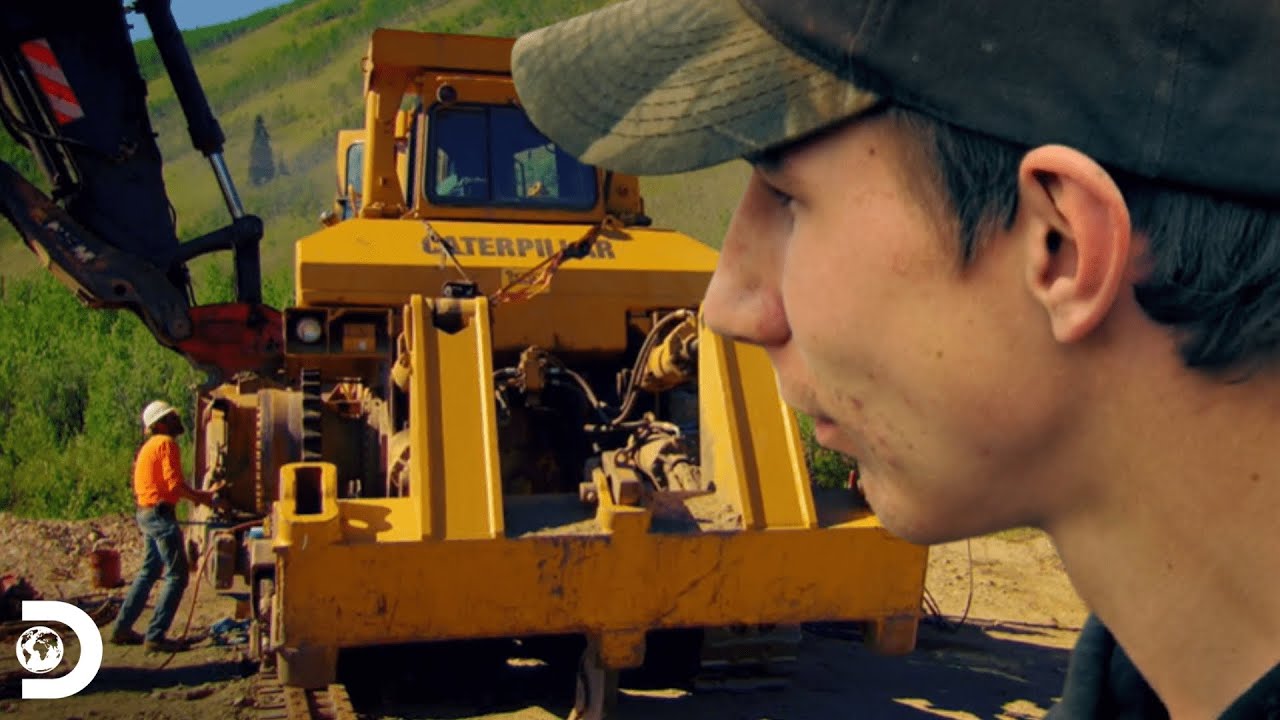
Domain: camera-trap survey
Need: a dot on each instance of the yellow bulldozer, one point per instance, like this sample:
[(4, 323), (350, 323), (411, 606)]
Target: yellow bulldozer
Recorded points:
[(493, 411)]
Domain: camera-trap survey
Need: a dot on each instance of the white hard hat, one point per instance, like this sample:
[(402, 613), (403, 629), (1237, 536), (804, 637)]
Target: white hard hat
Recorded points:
[(155, 412)]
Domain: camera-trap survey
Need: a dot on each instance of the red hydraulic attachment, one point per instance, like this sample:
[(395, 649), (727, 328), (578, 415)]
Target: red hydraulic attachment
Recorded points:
[(234, 337)]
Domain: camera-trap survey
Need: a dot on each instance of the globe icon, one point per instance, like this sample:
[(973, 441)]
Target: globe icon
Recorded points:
[(39, 649)]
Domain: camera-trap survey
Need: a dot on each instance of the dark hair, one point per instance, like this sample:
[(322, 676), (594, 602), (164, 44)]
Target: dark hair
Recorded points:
[(1213, 269)]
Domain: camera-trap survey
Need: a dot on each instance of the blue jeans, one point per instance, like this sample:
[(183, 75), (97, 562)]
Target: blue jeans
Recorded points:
[(165, 550)]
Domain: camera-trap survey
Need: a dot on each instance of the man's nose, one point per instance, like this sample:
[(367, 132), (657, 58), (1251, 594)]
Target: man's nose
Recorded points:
[(742, 300)]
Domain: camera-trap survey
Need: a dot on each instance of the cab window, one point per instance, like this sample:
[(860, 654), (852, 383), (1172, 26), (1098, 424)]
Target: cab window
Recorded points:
[(486, 155), (355, 180)]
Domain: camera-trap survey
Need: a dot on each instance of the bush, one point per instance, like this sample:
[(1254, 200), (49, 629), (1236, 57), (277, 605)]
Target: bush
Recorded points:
[(827, 468), (73, 382)]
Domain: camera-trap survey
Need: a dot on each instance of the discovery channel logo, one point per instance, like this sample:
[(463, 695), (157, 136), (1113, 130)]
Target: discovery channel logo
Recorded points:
[(40, 649)]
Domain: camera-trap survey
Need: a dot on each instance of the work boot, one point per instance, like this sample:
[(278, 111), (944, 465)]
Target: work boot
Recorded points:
[(166, 645), (126, 637)]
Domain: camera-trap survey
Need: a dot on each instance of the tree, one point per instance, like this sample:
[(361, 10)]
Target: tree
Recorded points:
[(261, 158)]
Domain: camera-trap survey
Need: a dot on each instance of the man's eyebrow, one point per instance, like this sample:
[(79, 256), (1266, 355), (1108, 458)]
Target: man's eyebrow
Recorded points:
[(771, 161), (777, 160), (774, 160), (776, 165)]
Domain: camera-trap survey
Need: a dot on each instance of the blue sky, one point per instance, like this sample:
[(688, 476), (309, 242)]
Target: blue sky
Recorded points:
[(199, 13)]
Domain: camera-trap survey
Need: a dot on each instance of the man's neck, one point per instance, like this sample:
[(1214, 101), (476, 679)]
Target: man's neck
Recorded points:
[(1174, 549)]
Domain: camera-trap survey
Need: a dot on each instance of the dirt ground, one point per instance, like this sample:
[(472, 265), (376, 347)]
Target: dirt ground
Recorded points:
[(1006, 661)]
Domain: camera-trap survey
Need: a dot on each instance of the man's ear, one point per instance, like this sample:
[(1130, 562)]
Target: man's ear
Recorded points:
[(1078, 238)]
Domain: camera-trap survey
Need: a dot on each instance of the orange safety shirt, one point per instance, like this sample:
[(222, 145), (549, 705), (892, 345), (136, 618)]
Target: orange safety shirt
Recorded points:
[(157, 473)]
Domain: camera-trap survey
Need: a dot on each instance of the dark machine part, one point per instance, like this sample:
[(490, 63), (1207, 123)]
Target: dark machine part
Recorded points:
[(552, 423), (73, 95), (541, 414), (354, 425), (344, 423), (70, 73), (312, 407), (278, 441), (99, 274), (543, 408), (659, 453)]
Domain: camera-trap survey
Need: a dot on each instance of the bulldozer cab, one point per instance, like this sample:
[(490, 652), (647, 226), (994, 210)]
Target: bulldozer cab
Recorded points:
[(446, 138)]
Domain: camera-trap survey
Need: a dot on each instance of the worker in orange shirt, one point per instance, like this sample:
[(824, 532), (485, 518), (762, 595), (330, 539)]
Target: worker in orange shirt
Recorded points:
[(158, 486)]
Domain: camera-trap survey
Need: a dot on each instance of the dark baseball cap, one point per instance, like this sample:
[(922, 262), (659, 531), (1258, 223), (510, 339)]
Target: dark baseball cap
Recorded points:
[(1181, 90)]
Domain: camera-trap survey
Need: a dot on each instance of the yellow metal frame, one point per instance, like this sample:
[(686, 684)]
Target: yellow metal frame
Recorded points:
[(584, 310), (439, 565)]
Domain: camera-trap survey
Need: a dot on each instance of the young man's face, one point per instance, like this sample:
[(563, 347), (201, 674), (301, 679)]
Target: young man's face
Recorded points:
[(940, 379)]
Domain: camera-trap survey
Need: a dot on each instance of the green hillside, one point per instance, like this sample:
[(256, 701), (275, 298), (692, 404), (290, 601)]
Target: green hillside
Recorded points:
[(298, 66), (71, 380)]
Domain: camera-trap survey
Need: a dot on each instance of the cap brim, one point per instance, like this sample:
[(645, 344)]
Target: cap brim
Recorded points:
[(651, 87)]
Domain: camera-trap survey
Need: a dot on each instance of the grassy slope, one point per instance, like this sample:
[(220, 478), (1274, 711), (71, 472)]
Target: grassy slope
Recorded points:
[(698, 203), (299, 67)]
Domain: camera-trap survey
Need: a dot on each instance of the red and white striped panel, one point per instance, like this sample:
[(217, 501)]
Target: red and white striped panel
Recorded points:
[(49, 75)]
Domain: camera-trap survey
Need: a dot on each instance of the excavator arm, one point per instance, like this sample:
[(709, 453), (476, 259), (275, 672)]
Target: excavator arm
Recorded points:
[(73, 95)]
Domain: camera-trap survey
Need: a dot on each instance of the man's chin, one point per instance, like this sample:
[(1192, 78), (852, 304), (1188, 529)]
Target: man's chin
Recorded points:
[(933, 530), (911, 532), (916, 527)]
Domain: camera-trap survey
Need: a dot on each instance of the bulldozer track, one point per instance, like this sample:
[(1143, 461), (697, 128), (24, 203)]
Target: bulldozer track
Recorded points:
[(744, 659), (273, 701)]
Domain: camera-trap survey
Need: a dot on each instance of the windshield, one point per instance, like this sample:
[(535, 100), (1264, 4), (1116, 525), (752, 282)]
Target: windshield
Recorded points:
[(490, 155)]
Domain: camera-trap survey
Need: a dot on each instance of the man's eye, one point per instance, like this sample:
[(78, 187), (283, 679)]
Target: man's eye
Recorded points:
[(781, 197)]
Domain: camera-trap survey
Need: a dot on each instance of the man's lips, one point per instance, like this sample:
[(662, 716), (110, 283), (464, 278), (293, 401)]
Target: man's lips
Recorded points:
[(825, 431)]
